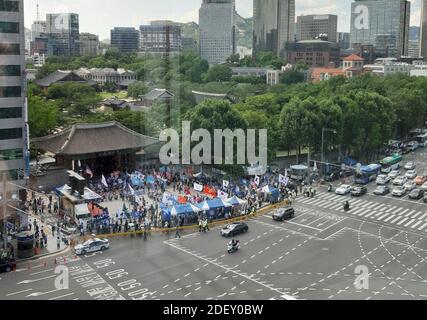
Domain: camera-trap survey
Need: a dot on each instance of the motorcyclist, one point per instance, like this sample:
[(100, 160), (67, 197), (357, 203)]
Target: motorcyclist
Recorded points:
[(234, 243), (330, 187)]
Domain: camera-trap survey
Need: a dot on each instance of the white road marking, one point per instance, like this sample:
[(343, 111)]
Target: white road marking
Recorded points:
[(417, 224), (423, 226), (63, 296), (402, 221), (399, 217), (35, 280), (15, 293), (33, 274), (410, 222)]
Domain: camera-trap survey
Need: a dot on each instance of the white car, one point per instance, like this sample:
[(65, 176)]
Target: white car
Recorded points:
[(424, 186), (409, 166), (92, 245), (383, 179), (399, 181), (411, 174), (343, 189), (394, 173), (410, 185), (399, 191)]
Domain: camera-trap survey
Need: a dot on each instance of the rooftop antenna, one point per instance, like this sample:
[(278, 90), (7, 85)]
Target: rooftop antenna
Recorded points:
[(38, 13)]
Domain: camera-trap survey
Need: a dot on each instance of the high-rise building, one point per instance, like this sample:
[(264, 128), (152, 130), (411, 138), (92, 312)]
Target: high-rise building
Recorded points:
[(89, 44), (274, 25), (38, 29), (344, 40), (13, 111), (423, 30), (311, 26), (383, 24), (414, 48), (63, 34), (125, 39), (217, 30), (160, 37)]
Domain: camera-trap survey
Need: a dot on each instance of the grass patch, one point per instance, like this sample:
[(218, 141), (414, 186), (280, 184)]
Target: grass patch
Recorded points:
[(109, 95)]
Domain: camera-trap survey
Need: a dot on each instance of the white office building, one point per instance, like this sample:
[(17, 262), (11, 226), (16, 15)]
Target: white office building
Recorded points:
[(217, 30)]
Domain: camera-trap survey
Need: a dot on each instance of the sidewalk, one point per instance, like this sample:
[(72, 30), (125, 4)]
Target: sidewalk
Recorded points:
[(51, 247)]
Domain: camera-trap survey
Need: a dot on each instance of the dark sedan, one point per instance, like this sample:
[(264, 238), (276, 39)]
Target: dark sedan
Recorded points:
[(358, 191), (282, 214), (234, 229), (416, 194), (7, 265)]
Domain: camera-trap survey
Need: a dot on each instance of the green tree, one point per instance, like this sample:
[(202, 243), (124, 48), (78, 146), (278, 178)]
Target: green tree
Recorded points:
[(292, 77), (137, 89), (43, 116), (219, 73)]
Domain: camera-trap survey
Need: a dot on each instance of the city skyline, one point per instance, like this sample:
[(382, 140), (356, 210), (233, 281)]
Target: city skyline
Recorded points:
[(142, 12)]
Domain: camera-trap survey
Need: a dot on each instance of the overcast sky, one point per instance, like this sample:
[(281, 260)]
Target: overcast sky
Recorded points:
[(99, 16)]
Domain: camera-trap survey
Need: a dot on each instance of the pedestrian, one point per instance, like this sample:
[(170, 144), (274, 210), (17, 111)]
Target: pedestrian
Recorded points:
[(177, 235), (200, 225), (58, 242), (53, 230)]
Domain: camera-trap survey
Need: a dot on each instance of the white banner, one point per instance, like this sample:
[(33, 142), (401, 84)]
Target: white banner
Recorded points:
[(198, 187), (222, 195), (282, 178), (257, 180)]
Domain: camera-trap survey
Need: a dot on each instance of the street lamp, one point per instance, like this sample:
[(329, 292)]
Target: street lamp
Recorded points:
[(4, 201), (323, 139)]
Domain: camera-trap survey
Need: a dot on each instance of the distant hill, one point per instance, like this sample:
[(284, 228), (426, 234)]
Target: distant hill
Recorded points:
[(244, 31)]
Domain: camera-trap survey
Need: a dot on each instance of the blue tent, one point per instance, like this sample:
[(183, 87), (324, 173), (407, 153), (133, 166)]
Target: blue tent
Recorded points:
[(270, 190), (213, 204), (151, 179), (235, 201), (184, 209)]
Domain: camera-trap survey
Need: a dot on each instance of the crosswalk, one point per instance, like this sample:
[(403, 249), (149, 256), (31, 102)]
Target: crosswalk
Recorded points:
[(382, 212)]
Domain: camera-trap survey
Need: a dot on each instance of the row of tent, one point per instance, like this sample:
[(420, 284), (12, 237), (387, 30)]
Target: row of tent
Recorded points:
[(206, 205)]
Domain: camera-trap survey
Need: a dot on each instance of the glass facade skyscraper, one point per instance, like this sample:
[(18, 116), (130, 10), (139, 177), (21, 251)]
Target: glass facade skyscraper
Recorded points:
[(423, 30), (63, 34), (274, 25), (125, 39), (13, 112), (217, 30), (383, 24)]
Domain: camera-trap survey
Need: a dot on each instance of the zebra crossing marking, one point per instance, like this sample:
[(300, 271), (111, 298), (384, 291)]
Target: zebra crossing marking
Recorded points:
[(389, 218), (423, 226), (410, 222), (399, 217), (383, 216), (402, 221), (417, 224)]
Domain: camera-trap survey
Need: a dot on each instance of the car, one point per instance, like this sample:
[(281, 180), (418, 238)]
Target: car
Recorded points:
[(411, 174), (343, 189), (284, 213), (410, 185), (424, 186), (399, 191), (394, 174), (92, 245), (234, 229), (358, 191), (409, 166), (382, 190), (399, 181), (416, 194), (419, 180), (413, 145), (7, 265), (383, 179)]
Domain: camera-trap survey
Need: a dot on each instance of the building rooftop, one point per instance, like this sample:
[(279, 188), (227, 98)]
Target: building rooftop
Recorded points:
[(158, 94), (353, 57), (62, 76), (93, 138)]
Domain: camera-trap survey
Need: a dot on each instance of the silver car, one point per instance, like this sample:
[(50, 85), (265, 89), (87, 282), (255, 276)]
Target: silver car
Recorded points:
[(399, 191), (411, 174), (409, 166), (393, 174), (399, 181)]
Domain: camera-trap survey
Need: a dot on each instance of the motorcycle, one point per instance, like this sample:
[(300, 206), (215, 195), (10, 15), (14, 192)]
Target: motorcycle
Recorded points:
[(346, 206), (330, 188), (233, 248)]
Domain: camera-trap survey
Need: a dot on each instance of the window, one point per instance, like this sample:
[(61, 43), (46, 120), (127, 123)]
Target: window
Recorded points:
[(10, 113), (9, 27), (11, 71), (9, 48), (14, 154), (9, 6), (10, 92), (7, 134)]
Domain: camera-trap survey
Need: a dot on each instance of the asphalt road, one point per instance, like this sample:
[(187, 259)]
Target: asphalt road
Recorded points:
[(319, 254)]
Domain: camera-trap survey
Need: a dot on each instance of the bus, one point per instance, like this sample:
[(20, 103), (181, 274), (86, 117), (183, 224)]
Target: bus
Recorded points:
[(391, 163), (367, 174), (422, 139)]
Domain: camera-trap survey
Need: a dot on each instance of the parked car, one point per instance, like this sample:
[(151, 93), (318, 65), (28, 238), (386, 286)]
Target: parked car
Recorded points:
[(416, 194), (383, 179), (411, 174), (284, 213), (419, 180), (399, 181), (394, 174), (382, 190), (7, 265), (409, 166), (413, 145), (399, 191), (410, 185), (358, 191), (92, 245), (234, 229), (343, 189)]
